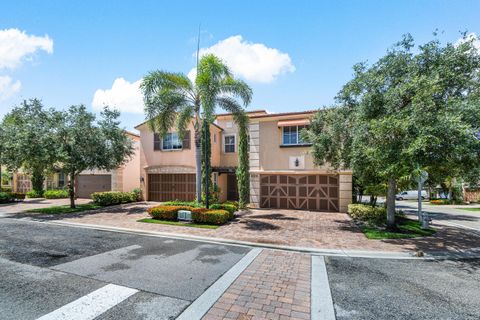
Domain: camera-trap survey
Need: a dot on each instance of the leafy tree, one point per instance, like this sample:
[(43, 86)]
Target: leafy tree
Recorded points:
[(412, 110), (171, 99), (86, 144), (28, 141), (243, 170)]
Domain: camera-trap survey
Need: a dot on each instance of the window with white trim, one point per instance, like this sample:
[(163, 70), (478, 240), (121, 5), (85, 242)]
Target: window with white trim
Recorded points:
[(171, 141), (292, 135), (229, 144)]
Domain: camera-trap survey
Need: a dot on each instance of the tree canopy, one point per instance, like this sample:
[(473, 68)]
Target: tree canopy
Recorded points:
[(414, 109), (28, 141), (87, 144)]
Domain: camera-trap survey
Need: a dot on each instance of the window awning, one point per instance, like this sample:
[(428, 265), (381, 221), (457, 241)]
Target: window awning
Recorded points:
[(297, 122)]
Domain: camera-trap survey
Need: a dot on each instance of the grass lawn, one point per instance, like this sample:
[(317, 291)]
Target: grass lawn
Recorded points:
[(178, 223), (407, 229), (66, 209), (470, 209)]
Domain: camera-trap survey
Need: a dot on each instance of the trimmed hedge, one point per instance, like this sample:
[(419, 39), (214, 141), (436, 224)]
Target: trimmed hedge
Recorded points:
[(225, 206), (217, 217), (367, 213), (32, 194), (199, 215), (192, 204), (6, 197), (55, 194), (109, 198), (167, 212)]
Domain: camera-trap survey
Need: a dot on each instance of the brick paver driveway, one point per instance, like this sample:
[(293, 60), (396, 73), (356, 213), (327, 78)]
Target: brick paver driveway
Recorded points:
[(323, 230)]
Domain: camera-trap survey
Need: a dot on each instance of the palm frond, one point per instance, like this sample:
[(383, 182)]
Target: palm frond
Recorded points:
[(183, 119), (237, 88)]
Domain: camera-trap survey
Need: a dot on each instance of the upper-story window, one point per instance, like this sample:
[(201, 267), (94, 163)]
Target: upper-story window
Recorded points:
[(171, 141), (292, 135), (229, 144)]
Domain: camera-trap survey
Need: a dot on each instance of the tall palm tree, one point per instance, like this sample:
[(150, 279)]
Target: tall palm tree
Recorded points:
[(172, 100)]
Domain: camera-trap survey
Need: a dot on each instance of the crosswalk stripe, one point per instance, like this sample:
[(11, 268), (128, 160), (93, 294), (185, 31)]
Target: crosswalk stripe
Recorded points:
[(91, 305), (321, 297)]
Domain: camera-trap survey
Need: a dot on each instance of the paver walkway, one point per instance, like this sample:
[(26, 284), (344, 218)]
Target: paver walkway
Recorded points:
[(275, 286)]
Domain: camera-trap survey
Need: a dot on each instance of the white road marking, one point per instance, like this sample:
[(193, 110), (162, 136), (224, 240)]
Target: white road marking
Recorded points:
[(203, 303), (91, 305), (321, 297)]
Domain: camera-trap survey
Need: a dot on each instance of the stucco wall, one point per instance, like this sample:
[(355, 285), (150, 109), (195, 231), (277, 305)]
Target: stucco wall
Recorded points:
[(229, 128), (175, 161), (131, 170), (273, 157)]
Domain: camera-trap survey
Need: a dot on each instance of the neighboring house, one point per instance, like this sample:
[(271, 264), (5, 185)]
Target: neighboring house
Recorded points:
[(125, 178), (282, 173)]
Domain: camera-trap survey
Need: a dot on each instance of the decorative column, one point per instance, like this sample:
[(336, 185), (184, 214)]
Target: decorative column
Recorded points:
[(254, 160)]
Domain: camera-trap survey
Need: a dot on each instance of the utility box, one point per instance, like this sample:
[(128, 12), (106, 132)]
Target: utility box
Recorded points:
[(184, 215)]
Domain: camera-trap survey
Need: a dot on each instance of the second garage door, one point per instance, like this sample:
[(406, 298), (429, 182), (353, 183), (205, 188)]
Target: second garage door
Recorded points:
[(90, 183), (169, 187), (303, 192)]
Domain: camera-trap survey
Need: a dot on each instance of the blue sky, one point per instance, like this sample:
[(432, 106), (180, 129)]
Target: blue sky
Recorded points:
[(296, 55)]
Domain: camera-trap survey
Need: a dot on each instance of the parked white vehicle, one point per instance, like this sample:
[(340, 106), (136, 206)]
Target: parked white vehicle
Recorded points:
[(411, 195)]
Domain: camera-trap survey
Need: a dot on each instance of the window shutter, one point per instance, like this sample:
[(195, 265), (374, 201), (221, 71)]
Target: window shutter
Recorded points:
[(157, 142), (186, 140)]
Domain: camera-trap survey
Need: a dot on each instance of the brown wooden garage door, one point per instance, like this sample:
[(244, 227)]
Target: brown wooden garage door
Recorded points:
[(90, 183), (168, 187), (303, 192)]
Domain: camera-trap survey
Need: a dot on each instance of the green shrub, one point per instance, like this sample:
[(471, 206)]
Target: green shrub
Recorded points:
[(217, 217), (366, 213), (233, 203), (34, 194), (6, 197), (6, 189), (56, 194), (192, 204), (167, 212), (138, 194), (109, 198), (225, 206)]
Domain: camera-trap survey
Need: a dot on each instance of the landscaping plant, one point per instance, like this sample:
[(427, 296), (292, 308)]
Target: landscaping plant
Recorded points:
[(55, 194), (109, 198)]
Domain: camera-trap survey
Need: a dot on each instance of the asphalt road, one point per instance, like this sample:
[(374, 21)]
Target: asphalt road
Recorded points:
[(43, 267), (450, 215), (404, 289)]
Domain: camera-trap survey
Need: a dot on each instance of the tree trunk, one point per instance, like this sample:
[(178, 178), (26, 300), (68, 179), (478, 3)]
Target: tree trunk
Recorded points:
[(392, 189), (71, 190), (198, 163), (37, 182)]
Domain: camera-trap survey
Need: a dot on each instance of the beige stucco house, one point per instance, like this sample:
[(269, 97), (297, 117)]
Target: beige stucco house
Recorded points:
[(126, 178), (282, 173)]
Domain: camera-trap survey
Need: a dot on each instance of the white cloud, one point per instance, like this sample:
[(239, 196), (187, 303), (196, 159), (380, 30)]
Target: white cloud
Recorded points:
[(124, 96), (16, 45), (8, 87), (252, 61), (470, 37)]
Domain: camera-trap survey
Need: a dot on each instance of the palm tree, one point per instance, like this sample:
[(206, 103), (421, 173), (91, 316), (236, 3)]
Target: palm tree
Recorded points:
[(171, 99)]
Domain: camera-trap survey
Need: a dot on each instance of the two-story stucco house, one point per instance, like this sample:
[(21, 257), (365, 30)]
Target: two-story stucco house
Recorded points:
[(282, 173)]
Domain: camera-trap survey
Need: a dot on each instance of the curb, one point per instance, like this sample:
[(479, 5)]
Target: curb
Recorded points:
[(401, 255)]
